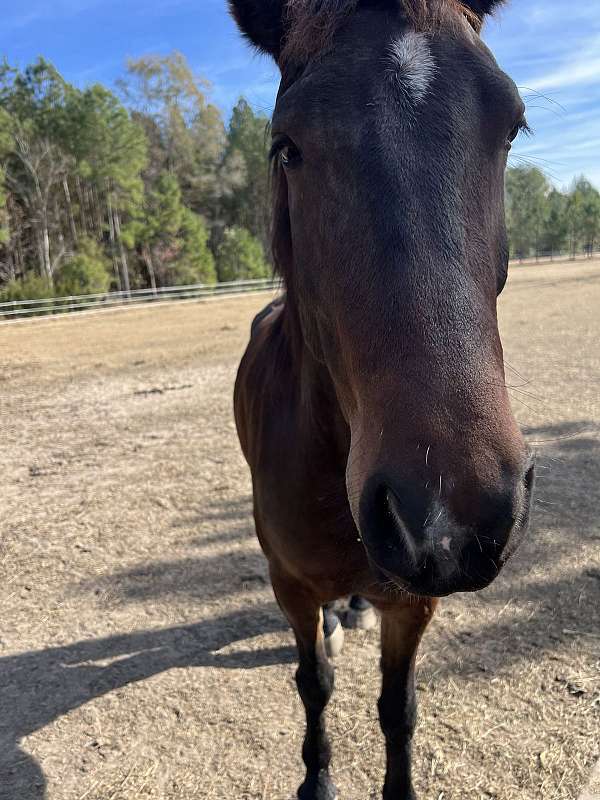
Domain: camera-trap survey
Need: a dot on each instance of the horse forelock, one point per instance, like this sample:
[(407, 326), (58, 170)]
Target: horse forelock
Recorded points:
[(311, 24)]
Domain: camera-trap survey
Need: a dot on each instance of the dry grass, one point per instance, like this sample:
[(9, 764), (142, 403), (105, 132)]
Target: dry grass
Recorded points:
[(141, 653)]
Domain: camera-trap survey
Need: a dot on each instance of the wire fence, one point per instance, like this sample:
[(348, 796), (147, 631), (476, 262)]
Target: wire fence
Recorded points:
[(543, 256), (23, 309), (12, 310)]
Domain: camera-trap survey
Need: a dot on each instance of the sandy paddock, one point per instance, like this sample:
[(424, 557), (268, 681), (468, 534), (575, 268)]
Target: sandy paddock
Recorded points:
[(141, 653)]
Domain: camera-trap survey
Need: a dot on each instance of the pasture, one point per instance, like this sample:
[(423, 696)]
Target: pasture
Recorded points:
[(141, 652)]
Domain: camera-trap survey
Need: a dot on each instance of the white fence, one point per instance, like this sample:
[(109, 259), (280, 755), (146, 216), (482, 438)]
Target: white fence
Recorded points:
[(23, 309), (546, 256)]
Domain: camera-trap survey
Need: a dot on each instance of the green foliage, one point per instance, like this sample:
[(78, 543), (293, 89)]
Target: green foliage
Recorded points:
[(195, 263), (103, 139), (35, 97), (173, 239), (87, 272), (162, 85), (527, 190), (5, 144), (146, 190), (555, 227), (583, 215), (4, 218), (72, 162), (152, 189), (240, 256), (164, 210), (246, 186), (186, 132), (543, 220), (29, 287)]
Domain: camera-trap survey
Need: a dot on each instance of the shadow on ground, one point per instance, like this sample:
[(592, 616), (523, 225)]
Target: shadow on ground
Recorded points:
[(565, 525), (41, 686)]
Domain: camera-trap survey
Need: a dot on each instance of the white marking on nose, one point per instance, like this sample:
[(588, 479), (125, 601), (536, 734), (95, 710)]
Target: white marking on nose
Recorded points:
[(412, 64), (446, 542)]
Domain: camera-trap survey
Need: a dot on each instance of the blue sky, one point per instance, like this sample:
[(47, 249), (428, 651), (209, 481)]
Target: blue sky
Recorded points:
[(550, 47)]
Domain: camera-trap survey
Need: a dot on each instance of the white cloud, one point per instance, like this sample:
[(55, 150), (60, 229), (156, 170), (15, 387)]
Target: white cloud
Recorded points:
[(578, 68), (579, 73)]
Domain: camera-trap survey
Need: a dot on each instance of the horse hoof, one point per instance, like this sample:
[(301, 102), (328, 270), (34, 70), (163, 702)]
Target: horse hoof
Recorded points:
[(334, 639), (318, 787), (361, 615)]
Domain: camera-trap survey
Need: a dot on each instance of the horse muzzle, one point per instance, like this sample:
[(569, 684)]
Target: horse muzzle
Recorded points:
[(415, 540)]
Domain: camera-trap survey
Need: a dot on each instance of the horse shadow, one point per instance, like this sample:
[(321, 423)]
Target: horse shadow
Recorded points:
[(564, 607), (39, 687)]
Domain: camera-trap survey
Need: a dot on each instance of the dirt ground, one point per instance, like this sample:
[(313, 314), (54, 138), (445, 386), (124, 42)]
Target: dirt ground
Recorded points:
[(141, 652)]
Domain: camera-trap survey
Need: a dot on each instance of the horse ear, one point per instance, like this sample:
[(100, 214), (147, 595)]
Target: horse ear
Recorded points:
[(261, 21), (483, 7)]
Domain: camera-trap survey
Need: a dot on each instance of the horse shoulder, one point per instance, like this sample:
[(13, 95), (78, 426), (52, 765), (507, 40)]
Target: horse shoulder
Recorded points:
[(258, 374)]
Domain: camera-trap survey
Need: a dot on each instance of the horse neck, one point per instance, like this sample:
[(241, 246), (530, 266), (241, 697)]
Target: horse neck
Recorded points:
[(321, 415)]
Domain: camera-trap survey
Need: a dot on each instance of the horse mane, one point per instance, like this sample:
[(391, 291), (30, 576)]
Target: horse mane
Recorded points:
[(311, 24)]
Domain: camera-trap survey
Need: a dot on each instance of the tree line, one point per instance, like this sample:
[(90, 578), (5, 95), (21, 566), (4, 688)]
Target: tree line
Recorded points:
[(147, 186), (143, 186), (543, 220)]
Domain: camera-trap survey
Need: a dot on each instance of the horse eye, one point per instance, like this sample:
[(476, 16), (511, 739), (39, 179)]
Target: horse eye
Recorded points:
[(522, 126), (290, 156), (514, 133)]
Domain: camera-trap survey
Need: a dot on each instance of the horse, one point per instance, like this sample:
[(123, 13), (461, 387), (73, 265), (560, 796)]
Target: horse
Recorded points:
[(371, 402)]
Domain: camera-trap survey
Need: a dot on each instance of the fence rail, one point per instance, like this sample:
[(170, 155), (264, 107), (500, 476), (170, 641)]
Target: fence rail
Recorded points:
[(23, 309), (543, 256)]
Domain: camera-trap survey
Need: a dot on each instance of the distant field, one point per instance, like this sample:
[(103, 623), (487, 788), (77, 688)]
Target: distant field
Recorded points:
[(141, 652)]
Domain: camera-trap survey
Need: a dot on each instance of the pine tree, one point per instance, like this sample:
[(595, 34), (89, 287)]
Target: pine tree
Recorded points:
[(172, 239), (186, 129), (554, 235), (248, 203), (240, 256), (87, 272), (527, 190)]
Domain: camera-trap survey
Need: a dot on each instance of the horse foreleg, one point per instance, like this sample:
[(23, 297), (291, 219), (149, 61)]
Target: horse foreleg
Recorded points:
[(314, 679), (401, 632)]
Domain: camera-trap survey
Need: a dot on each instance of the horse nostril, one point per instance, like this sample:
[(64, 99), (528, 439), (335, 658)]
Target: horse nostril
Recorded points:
[(522, 506), (388, 531), (431, 544), (529, 478), (399, 527)]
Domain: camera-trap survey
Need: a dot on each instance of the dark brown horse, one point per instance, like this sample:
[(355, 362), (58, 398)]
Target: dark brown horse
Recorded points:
[(371, 402)]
